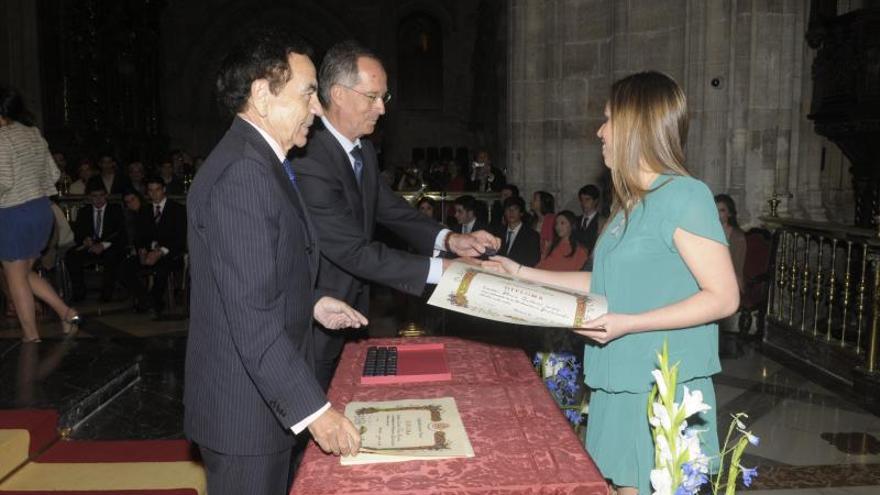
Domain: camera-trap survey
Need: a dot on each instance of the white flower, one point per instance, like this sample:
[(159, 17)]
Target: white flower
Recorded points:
[(661, 384), (693, 403), (660, 417), (663, 447), (739, 424), (691, 441), (661, 481)]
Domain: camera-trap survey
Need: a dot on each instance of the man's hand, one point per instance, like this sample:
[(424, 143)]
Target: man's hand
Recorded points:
[(334, 314), (97, 248), (335, 434), (87, 242), (473, 244), (152, 257)]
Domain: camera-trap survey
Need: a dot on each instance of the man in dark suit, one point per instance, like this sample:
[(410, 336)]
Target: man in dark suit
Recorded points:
[(466, 215), (340, 183), (518, 241), (161, 250), (589, 223), (99, 233), (250, 384)]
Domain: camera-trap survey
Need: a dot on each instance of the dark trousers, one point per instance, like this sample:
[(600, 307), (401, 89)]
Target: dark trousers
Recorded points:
[(78, 259), (250, 474), (132, 272)]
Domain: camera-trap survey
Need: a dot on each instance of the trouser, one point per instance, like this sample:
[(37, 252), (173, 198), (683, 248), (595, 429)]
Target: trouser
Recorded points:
[(247, 474), (131, 276), (77, 260)]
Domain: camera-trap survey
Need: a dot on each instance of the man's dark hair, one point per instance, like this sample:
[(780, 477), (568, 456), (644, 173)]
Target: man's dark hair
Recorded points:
[(96, 186), (154, 179), (340, 67), (467, 202), (260, 55), (514, 191), (589, 190), (517, 202)]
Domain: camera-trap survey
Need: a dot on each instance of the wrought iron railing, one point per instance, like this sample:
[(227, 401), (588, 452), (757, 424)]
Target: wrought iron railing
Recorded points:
[(825, 293)]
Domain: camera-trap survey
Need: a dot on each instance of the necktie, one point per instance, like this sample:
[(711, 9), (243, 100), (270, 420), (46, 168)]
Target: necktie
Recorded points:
[(99, 221), (288, 167), (157, 214), (584, 222), (507, 242), (358, 163)]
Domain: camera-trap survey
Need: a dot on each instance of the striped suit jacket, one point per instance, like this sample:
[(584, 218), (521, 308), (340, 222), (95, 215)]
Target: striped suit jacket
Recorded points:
[(254, 262)]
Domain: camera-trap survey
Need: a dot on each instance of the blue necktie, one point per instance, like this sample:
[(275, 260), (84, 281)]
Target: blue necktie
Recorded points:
[(289, 169), (358, 163)]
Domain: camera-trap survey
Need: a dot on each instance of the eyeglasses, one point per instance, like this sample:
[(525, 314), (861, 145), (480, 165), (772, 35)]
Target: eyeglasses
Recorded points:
[(373, 98)]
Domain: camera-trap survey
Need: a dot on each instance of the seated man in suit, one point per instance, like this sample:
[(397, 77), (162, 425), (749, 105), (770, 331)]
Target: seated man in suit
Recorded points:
[(466, 215), (497, 218), (590, 222), (99, 239), (519, 242), (160, 250)]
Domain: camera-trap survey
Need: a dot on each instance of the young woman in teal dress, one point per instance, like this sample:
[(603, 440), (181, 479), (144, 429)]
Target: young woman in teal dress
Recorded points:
[(663, 264)]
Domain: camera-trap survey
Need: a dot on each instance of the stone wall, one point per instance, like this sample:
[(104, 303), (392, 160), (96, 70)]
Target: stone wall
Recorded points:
[(744, 65), (19, 52)]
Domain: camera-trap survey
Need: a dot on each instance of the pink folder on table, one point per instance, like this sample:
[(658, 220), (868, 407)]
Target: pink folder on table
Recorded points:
[(416, 363)]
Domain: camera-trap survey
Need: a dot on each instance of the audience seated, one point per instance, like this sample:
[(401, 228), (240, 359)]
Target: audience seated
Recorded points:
[(589, 223), (138, 221), (99, 239), (84, 172), (160, 250), (544, 218), (113, 182), (136, 176), (484, 177), (173, 183), (466, 215), (497, 217), (518, 242), (566, 254)]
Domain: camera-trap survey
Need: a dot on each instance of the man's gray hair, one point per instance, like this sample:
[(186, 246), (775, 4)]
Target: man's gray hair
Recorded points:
[(340, 67)]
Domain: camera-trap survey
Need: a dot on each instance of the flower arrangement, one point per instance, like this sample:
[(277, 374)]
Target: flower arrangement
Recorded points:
[(561, 373), (680, 467)]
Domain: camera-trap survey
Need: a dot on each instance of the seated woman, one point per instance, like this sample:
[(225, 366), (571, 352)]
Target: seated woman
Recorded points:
[(736, 238), (565, 254), (663, 265)]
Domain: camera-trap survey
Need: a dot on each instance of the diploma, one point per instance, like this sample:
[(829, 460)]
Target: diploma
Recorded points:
[(473, 291), (407, 430)]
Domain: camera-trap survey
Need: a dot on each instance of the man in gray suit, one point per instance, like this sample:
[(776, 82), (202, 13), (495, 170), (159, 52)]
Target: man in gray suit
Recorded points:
[(250, 382)]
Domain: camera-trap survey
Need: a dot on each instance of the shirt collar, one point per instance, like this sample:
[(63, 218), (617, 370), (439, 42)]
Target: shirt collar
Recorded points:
[(161, 204), (272, 143), (515, 230), (347, 145)]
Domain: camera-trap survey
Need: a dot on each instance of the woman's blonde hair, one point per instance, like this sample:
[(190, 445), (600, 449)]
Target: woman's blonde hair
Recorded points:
[(649, 125)]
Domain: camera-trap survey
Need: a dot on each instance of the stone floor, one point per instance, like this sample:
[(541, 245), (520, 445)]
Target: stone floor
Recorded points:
[(816, 438)]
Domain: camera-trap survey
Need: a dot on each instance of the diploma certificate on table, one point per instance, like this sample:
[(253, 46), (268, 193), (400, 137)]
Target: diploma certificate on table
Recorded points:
[(407, 430), (473, 291)]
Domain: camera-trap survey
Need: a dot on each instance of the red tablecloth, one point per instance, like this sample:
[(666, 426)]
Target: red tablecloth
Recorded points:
[(521, 441)]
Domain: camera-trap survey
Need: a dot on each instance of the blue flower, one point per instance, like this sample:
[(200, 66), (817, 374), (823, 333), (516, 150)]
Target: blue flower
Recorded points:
[(693, 479), (753, 439), (748, 474), (551, 384)]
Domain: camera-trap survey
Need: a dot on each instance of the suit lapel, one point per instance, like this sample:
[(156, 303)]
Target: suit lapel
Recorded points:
[(369, 182), (339, 158), (290, 190)]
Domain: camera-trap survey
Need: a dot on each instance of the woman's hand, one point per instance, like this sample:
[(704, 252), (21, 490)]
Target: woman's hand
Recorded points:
[(607, 327), (502, 265)]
